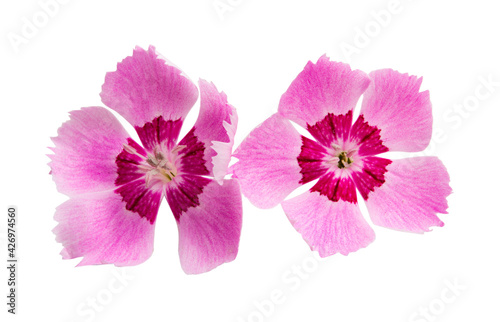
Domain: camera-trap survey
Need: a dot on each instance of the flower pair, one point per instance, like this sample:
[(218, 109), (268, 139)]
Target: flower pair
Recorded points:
[(116, 185)]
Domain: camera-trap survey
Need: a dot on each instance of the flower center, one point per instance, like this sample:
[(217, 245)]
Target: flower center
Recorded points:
[(161, 167), (342, 156), (344, 160)]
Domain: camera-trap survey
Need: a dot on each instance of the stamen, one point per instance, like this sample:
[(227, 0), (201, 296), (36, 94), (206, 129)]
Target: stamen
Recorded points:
[(160, 167), (336, 147), (149, 176), (168, 174), (344, 159), (164, 164), (178, 149), (151, 161), (129, 149)]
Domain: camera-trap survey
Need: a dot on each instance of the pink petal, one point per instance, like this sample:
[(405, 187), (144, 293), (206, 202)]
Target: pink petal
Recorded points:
[(140, 199), (336, 186), (192, 155), (370, 175), (328, 227), (145, 86), (311, 160), (98, 227), (215, 127), (367, 138), (209, 234), (322, 88), (332, 129), (85, 151), (128, 163), (224, 150), (394, 104), (415, 189), (159, 131), (184, 192), (268, 168)]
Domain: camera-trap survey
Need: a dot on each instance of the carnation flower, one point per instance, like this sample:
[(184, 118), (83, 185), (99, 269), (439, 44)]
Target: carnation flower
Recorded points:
[(115, 185), (404, 194)]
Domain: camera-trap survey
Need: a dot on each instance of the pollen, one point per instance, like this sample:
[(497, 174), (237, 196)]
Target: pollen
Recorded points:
[(160, 168), (344, 160)]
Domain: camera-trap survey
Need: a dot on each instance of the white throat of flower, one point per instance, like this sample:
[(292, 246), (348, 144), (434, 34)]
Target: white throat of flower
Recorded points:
[(158, 166), (341, 159)]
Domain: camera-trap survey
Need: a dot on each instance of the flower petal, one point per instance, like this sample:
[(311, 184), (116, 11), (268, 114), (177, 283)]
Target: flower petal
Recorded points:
[(224, 150), (209, 144), (140, 199), (311, 161), (145, 86), (370, 175), (268, 168), (394, 104), (85, 151), (332, 129), (415, 189), (98, 227), (336, 186), (216, 127), (209, 234), (328, 227), (128, 163), (322, 88), (159, 131), (184, 192), (367, 138)]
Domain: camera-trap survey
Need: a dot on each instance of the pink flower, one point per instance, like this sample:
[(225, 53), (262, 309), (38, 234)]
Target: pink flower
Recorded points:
[(401, 194), (116, 185)]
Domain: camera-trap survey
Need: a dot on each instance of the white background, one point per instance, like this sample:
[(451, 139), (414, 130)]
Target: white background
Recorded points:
[(252, 53)]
